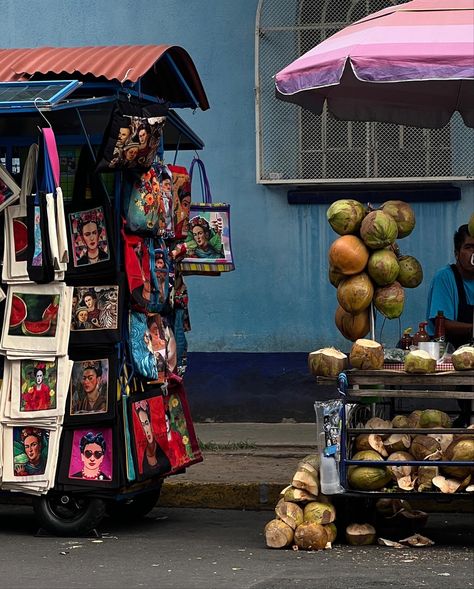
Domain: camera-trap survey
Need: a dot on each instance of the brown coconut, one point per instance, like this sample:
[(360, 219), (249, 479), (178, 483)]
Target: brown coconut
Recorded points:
[(423, 446), (414, 418), (289, 512), (327, 362), (378, 230), (397, 443), (278, 534), (463, 358), (360, 534), (366, 354), (354, 293), (390, 300), (370, 442), (311, 536), (334, 276), (348, 254), (352, 326), (460, 451)]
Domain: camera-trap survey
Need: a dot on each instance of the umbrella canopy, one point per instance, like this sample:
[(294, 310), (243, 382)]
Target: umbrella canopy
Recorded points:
[(411, 64)]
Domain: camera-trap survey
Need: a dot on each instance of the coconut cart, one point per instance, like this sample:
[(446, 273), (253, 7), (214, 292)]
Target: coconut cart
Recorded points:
[(38, 92)]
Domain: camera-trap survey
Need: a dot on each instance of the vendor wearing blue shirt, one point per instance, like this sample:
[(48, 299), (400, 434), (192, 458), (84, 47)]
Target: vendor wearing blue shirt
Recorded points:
[(452, 291)]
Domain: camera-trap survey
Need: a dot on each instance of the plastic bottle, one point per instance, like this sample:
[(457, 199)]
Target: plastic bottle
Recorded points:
[(330, 482), (421, 335)]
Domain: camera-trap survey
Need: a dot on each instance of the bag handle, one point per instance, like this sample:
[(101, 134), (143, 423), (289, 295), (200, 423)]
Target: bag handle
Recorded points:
[(29, 172), (51, 153), (206, 189), (86, 176)]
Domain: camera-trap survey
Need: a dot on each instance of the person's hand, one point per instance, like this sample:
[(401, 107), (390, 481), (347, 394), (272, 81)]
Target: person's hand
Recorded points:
[(217, 225)]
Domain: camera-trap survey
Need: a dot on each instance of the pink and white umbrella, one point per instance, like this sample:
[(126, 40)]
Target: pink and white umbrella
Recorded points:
[(411, 64)]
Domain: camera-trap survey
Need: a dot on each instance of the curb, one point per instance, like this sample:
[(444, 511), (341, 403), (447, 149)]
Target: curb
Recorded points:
[(264, 497)]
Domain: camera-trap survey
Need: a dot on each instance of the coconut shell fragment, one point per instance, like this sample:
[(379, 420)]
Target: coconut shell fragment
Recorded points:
[(446, 485)]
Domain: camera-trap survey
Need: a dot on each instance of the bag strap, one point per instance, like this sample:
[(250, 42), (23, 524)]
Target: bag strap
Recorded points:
[(205, 187), (51, 153), (86, 176), (29, 172)]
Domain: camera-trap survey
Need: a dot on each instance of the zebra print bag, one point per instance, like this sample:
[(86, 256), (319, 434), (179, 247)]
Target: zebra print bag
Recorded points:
[(97, 313)]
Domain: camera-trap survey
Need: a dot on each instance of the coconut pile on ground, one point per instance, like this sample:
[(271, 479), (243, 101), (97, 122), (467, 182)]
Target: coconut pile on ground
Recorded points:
[(365, 263), (404, 448), (304, 517)]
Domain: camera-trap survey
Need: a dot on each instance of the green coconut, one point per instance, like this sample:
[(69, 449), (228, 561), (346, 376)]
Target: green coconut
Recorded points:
[(403, 215), (319, 513), (470, 225), (390, 300), (345, 216), (434, 418), (460, 451), (331, 531), (383, 267), (378, 230), (355, 293), (369, 478), (400, 421), (419, 362), (410, 272), (463, 358)]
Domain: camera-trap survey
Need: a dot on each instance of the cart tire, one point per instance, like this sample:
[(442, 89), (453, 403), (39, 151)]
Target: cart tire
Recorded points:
[(134, 508), (64, 514)]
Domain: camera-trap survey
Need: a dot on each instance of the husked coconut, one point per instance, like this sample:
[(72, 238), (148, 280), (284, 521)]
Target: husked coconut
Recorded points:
[(311, 536), (366, 354), (378, 230), (370, 442), (278, 534), (295, 495), (360, 534), (352, 326), (400, 421), (345, 215), (327, 362), (463, 358), (403, 215), (289, 512), (419, 362), (348, 254), (304, 479), (434, 418), (354, 293), (319, 513)]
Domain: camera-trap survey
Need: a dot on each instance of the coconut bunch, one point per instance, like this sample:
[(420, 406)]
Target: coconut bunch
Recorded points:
[(365, 263), (405, 448), (304, 518)]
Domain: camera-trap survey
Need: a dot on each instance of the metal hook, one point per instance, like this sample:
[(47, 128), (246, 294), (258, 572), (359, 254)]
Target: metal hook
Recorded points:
[(41, 113)]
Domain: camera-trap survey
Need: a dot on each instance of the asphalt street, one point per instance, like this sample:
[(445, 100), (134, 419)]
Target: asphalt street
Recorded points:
[(207, 549)]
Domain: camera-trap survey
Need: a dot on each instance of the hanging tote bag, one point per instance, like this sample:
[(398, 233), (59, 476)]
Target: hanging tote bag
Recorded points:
[(208, 244), (90, 223)]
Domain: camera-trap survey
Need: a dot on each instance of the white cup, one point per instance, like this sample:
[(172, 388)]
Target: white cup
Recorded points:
[(433, 349)]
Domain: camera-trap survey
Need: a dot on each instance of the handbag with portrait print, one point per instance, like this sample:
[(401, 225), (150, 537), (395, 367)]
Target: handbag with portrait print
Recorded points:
[(90, 225)]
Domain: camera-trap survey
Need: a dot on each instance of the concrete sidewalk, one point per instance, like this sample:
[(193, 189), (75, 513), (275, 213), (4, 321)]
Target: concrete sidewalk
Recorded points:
[(246, 465)]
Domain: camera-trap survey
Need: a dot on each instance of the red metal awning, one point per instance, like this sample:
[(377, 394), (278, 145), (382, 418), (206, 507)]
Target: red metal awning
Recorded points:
[(151, 65)]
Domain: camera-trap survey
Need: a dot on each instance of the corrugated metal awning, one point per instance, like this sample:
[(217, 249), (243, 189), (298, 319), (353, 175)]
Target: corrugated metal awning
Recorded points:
[(164, 71)]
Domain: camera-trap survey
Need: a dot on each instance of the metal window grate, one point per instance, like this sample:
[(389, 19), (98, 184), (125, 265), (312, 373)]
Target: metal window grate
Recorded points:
[(295, 146)]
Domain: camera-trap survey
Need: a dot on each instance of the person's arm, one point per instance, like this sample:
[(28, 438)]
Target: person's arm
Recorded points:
[(458, 329)]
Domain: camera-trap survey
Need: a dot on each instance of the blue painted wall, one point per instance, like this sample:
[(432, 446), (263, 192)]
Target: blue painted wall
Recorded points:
[(279, 298)]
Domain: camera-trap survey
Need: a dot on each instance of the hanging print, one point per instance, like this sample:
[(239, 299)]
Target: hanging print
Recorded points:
[(89, 237), (38, 381), (94, 308), (89, 387), (30, 451), (91, 455)]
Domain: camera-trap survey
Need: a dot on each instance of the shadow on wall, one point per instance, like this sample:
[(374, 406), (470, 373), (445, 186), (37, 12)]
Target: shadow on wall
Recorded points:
[(252, 387)]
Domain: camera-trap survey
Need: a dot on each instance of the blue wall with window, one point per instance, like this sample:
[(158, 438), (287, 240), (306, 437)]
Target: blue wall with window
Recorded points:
[(252, 328)]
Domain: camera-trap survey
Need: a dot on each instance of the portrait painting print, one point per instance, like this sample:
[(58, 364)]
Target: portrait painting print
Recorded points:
[(91, 455), (89, 387), (89, 237), (30, 451), (38, 381), (33, 315), (150, 438), (208, 236), (94, 307)]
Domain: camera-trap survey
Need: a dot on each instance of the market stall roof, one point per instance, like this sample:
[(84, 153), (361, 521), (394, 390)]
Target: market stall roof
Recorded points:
[(163, 71)]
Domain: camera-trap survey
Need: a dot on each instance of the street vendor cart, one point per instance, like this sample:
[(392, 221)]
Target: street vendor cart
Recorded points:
[(79, 460)]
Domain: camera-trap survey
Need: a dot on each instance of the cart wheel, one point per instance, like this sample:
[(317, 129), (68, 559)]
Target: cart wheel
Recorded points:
[(136, 507), (66, 514)]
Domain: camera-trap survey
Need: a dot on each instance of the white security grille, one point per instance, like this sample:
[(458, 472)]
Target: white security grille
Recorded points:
[(295, 146)]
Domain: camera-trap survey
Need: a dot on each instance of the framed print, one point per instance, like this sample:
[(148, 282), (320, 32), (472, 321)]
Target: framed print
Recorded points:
[(9, 189), (93, 386), (149, 440), (36, 316), (88, 236), (29, 453), (89, 457)]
